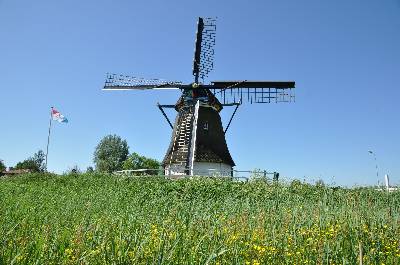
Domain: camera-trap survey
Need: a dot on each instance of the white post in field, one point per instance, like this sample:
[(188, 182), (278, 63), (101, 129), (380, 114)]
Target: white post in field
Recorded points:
[(387, 182)]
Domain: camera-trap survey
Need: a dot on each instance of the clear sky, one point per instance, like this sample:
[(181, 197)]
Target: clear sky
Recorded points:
[(344, 56)]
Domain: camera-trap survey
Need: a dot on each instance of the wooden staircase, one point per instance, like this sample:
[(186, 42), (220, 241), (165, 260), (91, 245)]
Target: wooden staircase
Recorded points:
[(179, 159)]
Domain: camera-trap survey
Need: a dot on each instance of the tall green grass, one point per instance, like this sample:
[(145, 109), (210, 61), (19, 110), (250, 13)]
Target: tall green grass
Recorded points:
[(102, 219)]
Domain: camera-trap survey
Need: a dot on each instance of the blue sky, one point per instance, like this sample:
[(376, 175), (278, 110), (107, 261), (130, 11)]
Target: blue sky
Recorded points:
[(344, 56)]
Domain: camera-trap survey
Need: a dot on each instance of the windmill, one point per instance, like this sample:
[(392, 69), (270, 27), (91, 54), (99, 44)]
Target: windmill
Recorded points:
[(198, 145)]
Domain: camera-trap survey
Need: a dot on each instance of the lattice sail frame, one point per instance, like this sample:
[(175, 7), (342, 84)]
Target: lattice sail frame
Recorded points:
[(206, 37), (114, 80), (238, 95)]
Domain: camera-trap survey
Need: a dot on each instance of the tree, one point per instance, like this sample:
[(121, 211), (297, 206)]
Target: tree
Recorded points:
[(35, 163), (39, 159), (136, 161), (89, 169), (151, 163), (2, 166), (73, 170), (110, 153)]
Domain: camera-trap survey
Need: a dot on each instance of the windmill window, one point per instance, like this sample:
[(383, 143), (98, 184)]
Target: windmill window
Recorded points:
[(205, 126)]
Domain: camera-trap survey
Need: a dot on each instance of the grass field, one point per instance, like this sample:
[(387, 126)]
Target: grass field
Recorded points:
[(101, 219)]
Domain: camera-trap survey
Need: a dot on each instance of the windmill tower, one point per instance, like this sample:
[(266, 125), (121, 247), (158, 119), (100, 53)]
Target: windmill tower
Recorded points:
[(198, 145)]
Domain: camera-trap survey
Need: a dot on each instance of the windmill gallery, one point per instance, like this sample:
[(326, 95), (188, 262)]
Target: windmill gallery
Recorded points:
[(198, 145)]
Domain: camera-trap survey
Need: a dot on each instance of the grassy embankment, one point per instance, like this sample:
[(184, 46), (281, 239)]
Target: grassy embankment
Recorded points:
[(91, 219)]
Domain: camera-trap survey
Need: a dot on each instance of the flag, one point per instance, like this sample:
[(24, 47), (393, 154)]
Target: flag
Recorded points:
[(57, 116)]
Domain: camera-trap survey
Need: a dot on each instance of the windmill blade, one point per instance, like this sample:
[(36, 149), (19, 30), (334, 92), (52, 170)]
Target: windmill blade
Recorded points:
[(253, 84), (124, 82), (203, 61), (232, 92), (164, 87)]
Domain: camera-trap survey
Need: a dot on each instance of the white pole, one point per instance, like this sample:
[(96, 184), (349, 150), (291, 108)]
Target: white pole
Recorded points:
[(48, 137), (387, 182)]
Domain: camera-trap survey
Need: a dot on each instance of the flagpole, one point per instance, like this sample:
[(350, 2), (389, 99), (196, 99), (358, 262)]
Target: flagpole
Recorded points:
[(48, 137)]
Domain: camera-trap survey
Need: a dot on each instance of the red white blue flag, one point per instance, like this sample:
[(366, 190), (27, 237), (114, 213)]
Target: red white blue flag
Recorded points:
[(57, 116)]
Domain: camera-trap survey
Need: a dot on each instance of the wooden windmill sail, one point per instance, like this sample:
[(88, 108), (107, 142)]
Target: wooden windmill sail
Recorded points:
[(198, 145)]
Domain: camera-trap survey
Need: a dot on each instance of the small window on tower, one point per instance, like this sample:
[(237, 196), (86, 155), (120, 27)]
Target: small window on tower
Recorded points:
[(205, 126)]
